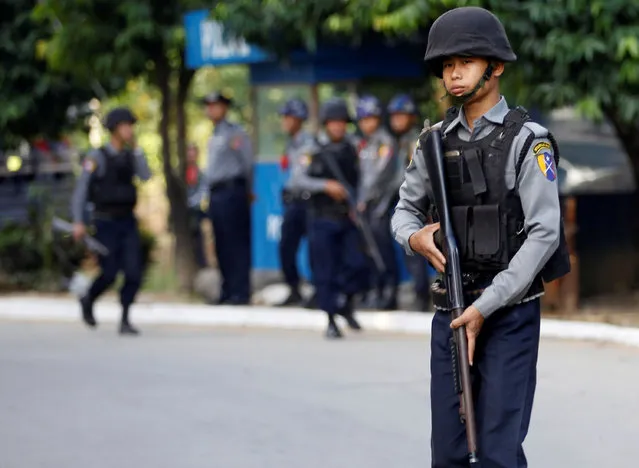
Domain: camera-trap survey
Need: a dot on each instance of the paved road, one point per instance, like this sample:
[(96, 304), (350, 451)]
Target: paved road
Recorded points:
[(217, 398)]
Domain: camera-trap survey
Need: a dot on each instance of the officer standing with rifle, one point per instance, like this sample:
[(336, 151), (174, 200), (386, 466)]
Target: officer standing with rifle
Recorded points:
[(107, 181), (340, 266), (402, 111), (295, 224), (489, 174), (378, 164)]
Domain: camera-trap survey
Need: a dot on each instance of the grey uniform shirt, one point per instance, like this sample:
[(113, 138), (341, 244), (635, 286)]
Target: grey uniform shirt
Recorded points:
[(95, 162), (298, 151), (538, 192), (378, 166), (230, 154)]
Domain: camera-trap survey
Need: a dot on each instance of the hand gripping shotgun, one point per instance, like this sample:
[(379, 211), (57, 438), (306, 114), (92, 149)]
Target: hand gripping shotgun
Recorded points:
[(430, 141)]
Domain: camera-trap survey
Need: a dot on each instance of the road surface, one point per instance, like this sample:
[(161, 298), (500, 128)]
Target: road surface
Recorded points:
[(181, 397)]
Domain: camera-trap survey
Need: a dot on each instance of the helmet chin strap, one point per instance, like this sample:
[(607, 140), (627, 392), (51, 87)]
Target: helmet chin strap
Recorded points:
[(458, 101)]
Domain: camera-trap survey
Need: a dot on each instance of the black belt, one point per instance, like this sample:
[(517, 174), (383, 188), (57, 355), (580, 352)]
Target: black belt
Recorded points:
[(332, 212), (113, 213), (226, 184)]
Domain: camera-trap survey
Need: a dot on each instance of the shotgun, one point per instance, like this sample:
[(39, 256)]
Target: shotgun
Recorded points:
[(430, 141)]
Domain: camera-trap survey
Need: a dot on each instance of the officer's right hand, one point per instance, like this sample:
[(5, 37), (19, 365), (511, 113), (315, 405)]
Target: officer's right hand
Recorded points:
[(335, 190), (79, 231), (423, 243)]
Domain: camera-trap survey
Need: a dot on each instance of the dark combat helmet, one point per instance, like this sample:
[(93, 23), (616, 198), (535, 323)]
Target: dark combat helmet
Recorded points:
[(117, 116), (334, 109), (467, 31)]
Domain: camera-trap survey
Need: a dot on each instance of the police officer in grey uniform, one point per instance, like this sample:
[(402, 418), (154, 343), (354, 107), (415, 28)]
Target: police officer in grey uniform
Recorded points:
[(402, 112), (501, 171), (378, 165), (295, 224), (107, 181), (230, 178)]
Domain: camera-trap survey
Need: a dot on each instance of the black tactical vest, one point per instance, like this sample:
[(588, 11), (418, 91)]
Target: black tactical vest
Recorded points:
[(487, 216), (345, 157), (114, 192)]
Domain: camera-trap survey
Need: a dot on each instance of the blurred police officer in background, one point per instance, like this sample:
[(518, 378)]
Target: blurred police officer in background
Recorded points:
[(403, 119), (197, 188), (107, 181), (295, 224), (378, 168), (230, 177), (339, 265)]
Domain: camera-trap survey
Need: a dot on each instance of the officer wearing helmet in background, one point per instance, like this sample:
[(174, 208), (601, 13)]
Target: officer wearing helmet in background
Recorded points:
[(402, 112), (501, 171), (378, 165), (230, 177), (295, 224), (107, 181), (340, 266)]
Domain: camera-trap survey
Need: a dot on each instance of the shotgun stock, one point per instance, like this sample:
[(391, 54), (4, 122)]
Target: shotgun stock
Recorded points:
[(431, 145)]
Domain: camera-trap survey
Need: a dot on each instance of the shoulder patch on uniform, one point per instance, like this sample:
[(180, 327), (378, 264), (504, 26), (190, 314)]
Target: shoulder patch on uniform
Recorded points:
[(89, 165), (546, 163), (540, 146), (236, 142)]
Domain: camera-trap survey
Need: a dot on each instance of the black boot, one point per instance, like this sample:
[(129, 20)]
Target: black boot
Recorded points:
[(125, 326), (348, 312), (86, 303), (311, 302), (293, 299), (332, 331)]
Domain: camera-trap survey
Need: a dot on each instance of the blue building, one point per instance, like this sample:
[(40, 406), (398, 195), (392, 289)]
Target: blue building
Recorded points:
[(332, 69)]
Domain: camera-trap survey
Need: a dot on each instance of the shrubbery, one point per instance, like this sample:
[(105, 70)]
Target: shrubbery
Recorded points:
[(34, 257)]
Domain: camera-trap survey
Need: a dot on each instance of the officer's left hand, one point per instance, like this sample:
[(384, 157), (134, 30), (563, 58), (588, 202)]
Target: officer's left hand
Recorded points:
[(473, 319)]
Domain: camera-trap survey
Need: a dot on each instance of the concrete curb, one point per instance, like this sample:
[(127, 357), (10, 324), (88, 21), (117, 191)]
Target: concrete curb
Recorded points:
[(37, 308)]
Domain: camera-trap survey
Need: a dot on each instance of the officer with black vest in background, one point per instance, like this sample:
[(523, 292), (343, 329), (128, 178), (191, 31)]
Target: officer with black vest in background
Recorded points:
[(339, 267), (108, 182), (378, 165), (501, 171)]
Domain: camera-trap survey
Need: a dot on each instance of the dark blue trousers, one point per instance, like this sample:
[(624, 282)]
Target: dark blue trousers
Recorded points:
[(229, 209), (504, 378), (339, 263), (294, 228), (121, 237), (389, 278)]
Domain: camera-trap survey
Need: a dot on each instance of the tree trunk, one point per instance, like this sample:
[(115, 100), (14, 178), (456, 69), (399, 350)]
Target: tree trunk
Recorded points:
[(185, 262), (628, 133), (185, 77)]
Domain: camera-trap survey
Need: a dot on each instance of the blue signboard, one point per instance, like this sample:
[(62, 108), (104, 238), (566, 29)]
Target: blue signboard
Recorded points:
[(206, 45)]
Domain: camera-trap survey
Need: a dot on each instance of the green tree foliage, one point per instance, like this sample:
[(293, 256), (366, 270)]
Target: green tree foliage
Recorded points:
[(105, 40), (572, 52), (34, 98)]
